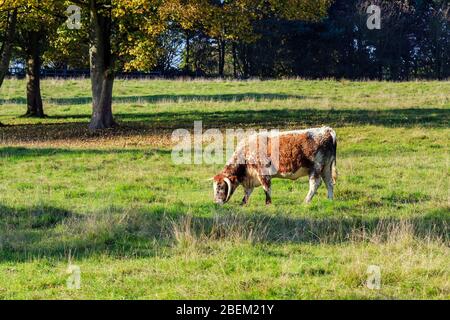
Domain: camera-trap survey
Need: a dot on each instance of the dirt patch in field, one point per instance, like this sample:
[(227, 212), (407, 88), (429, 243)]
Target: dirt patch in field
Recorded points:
[(78, 135)]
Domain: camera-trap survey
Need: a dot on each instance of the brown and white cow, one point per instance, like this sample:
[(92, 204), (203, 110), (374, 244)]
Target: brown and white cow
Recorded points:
[(309, 152)]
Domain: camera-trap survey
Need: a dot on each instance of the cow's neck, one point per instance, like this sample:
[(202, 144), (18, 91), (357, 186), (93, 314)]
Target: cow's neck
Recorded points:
[(230, 170), (234, 170)]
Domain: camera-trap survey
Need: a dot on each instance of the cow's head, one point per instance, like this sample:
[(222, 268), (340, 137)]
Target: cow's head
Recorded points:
[(224, 187)]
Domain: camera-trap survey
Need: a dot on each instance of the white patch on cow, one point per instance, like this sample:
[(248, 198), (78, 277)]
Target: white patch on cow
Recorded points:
[(312, 131), (215, 188), (295, 132)]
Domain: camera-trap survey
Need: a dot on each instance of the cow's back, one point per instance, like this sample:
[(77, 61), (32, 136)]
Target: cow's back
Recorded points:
[(298, 150)]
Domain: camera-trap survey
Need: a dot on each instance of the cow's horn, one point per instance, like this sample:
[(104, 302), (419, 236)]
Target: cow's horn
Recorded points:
[(229, 188)]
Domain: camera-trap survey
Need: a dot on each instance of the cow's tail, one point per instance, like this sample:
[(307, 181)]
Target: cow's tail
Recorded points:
[(334, 172)]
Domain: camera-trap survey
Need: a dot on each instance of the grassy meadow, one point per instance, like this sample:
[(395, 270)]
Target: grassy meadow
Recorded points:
[(140, 227)]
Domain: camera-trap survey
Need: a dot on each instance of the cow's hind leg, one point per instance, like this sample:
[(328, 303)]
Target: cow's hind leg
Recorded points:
[(328, 179), (248, 192), (314, 183)]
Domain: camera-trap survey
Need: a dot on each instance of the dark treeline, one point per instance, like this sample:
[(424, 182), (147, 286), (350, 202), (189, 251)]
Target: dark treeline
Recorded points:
[(413, 42)]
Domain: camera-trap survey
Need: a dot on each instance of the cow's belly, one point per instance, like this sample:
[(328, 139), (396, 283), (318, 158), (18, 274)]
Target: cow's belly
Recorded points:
[(293, 175)]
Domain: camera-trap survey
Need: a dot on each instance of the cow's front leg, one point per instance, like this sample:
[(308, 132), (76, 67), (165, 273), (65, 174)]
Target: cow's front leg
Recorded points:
[(248, 192), (314, 183), (266, 184)]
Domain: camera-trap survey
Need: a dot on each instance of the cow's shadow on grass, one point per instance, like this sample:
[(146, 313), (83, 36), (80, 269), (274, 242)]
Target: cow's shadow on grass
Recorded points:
[(137, 124), (54, 233)]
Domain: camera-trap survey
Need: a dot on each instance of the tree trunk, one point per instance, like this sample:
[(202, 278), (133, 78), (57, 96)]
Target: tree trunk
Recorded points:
[(5, 51), (244, 53), (33, 67), (101, 66), (234, 61), (221, 58), (188, 52)]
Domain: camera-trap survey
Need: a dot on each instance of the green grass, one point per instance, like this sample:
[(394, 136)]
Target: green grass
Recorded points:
[(142, 227)]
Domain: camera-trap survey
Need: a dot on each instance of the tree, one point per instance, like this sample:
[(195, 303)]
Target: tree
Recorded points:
[(33, 23), (7, 42), (101, 64), (263, 52), (116, 29), (414, 42), (69, 47), (218, 24), (229, 21), (8, 28), (432, 56), (36, 26)]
